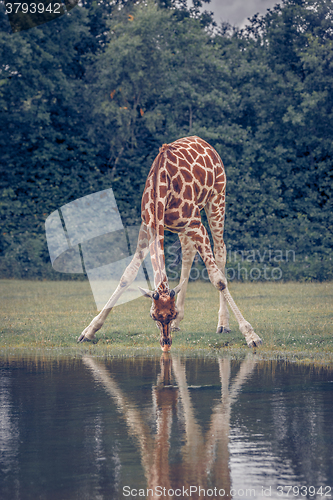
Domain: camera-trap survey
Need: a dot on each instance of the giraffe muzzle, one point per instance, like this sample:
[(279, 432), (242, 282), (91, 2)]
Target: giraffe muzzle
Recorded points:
[(166, 344)]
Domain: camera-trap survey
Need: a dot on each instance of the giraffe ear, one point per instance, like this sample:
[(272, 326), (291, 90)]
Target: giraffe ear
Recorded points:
[(145, 292), (178, 287)]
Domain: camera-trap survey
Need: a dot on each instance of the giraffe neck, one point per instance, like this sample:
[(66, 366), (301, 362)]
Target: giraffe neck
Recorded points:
[(163, 286), (157, 191)]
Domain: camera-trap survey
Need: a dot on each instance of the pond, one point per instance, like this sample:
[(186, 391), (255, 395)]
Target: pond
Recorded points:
[(164, 427)]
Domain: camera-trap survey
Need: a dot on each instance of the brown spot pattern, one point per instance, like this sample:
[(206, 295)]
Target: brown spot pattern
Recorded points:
[(181, 224), (187, 176), (171, 217), (200, 174), (175, 203), (187, 156), (203, 196), (186, 210), (145, 198), (209, 178), (187, 192), (194, 153), (200, 149), (172, 169), (163, 191), (163, 177), (201, 161), (177, 184)]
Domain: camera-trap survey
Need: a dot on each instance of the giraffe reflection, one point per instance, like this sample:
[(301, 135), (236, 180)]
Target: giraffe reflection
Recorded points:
[(204, 455)]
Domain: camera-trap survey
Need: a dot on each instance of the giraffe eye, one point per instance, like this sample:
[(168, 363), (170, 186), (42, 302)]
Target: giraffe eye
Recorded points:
[(156, 295)]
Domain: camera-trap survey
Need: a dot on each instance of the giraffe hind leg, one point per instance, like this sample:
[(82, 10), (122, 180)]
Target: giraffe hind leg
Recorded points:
[(218, 279), (215, 216), (252, 339), (223, 316)]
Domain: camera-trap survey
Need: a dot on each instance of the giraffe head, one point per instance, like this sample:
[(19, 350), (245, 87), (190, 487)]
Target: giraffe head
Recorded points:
[(163, 311)]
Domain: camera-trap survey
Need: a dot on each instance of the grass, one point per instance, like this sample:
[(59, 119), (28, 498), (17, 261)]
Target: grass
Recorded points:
[(295, 320)]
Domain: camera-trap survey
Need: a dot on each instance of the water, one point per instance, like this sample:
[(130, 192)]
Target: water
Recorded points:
[(90, 429)]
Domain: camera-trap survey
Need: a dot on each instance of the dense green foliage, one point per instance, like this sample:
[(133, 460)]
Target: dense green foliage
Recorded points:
[(87, 100)]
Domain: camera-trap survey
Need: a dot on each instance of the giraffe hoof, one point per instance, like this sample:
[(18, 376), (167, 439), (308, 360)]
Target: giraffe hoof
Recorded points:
[(255, 343), (83, 338), (223, 329)]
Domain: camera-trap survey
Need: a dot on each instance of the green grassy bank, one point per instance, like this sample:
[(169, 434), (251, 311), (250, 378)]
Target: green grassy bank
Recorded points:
[(295, 320)]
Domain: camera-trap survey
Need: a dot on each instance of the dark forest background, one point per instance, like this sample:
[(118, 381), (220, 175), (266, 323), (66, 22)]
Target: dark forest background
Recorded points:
[(87, 100)]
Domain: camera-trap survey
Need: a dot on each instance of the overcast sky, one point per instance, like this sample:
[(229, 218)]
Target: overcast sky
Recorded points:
[(236, 12)]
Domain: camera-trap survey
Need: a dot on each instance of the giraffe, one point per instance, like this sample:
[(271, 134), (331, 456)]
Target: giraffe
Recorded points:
[(186, 177)]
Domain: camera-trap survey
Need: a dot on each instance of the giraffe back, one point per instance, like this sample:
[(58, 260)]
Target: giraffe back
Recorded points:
[(184, 177)]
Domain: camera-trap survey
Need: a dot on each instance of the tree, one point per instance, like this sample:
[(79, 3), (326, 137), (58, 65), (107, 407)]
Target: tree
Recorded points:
[(87, 100), (45, 158), (146, 90), (294, 125)]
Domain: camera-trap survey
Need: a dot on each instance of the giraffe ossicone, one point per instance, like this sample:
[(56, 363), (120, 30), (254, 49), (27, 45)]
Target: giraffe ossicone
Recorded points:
[(186, 177)]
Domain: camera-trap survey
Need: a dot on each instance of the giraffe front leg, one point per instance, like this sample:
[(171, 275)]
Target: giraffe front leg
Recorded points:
[(223, 317), (188, 254), (88, 333), (126, 280), (96, 324), (175, 325)]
